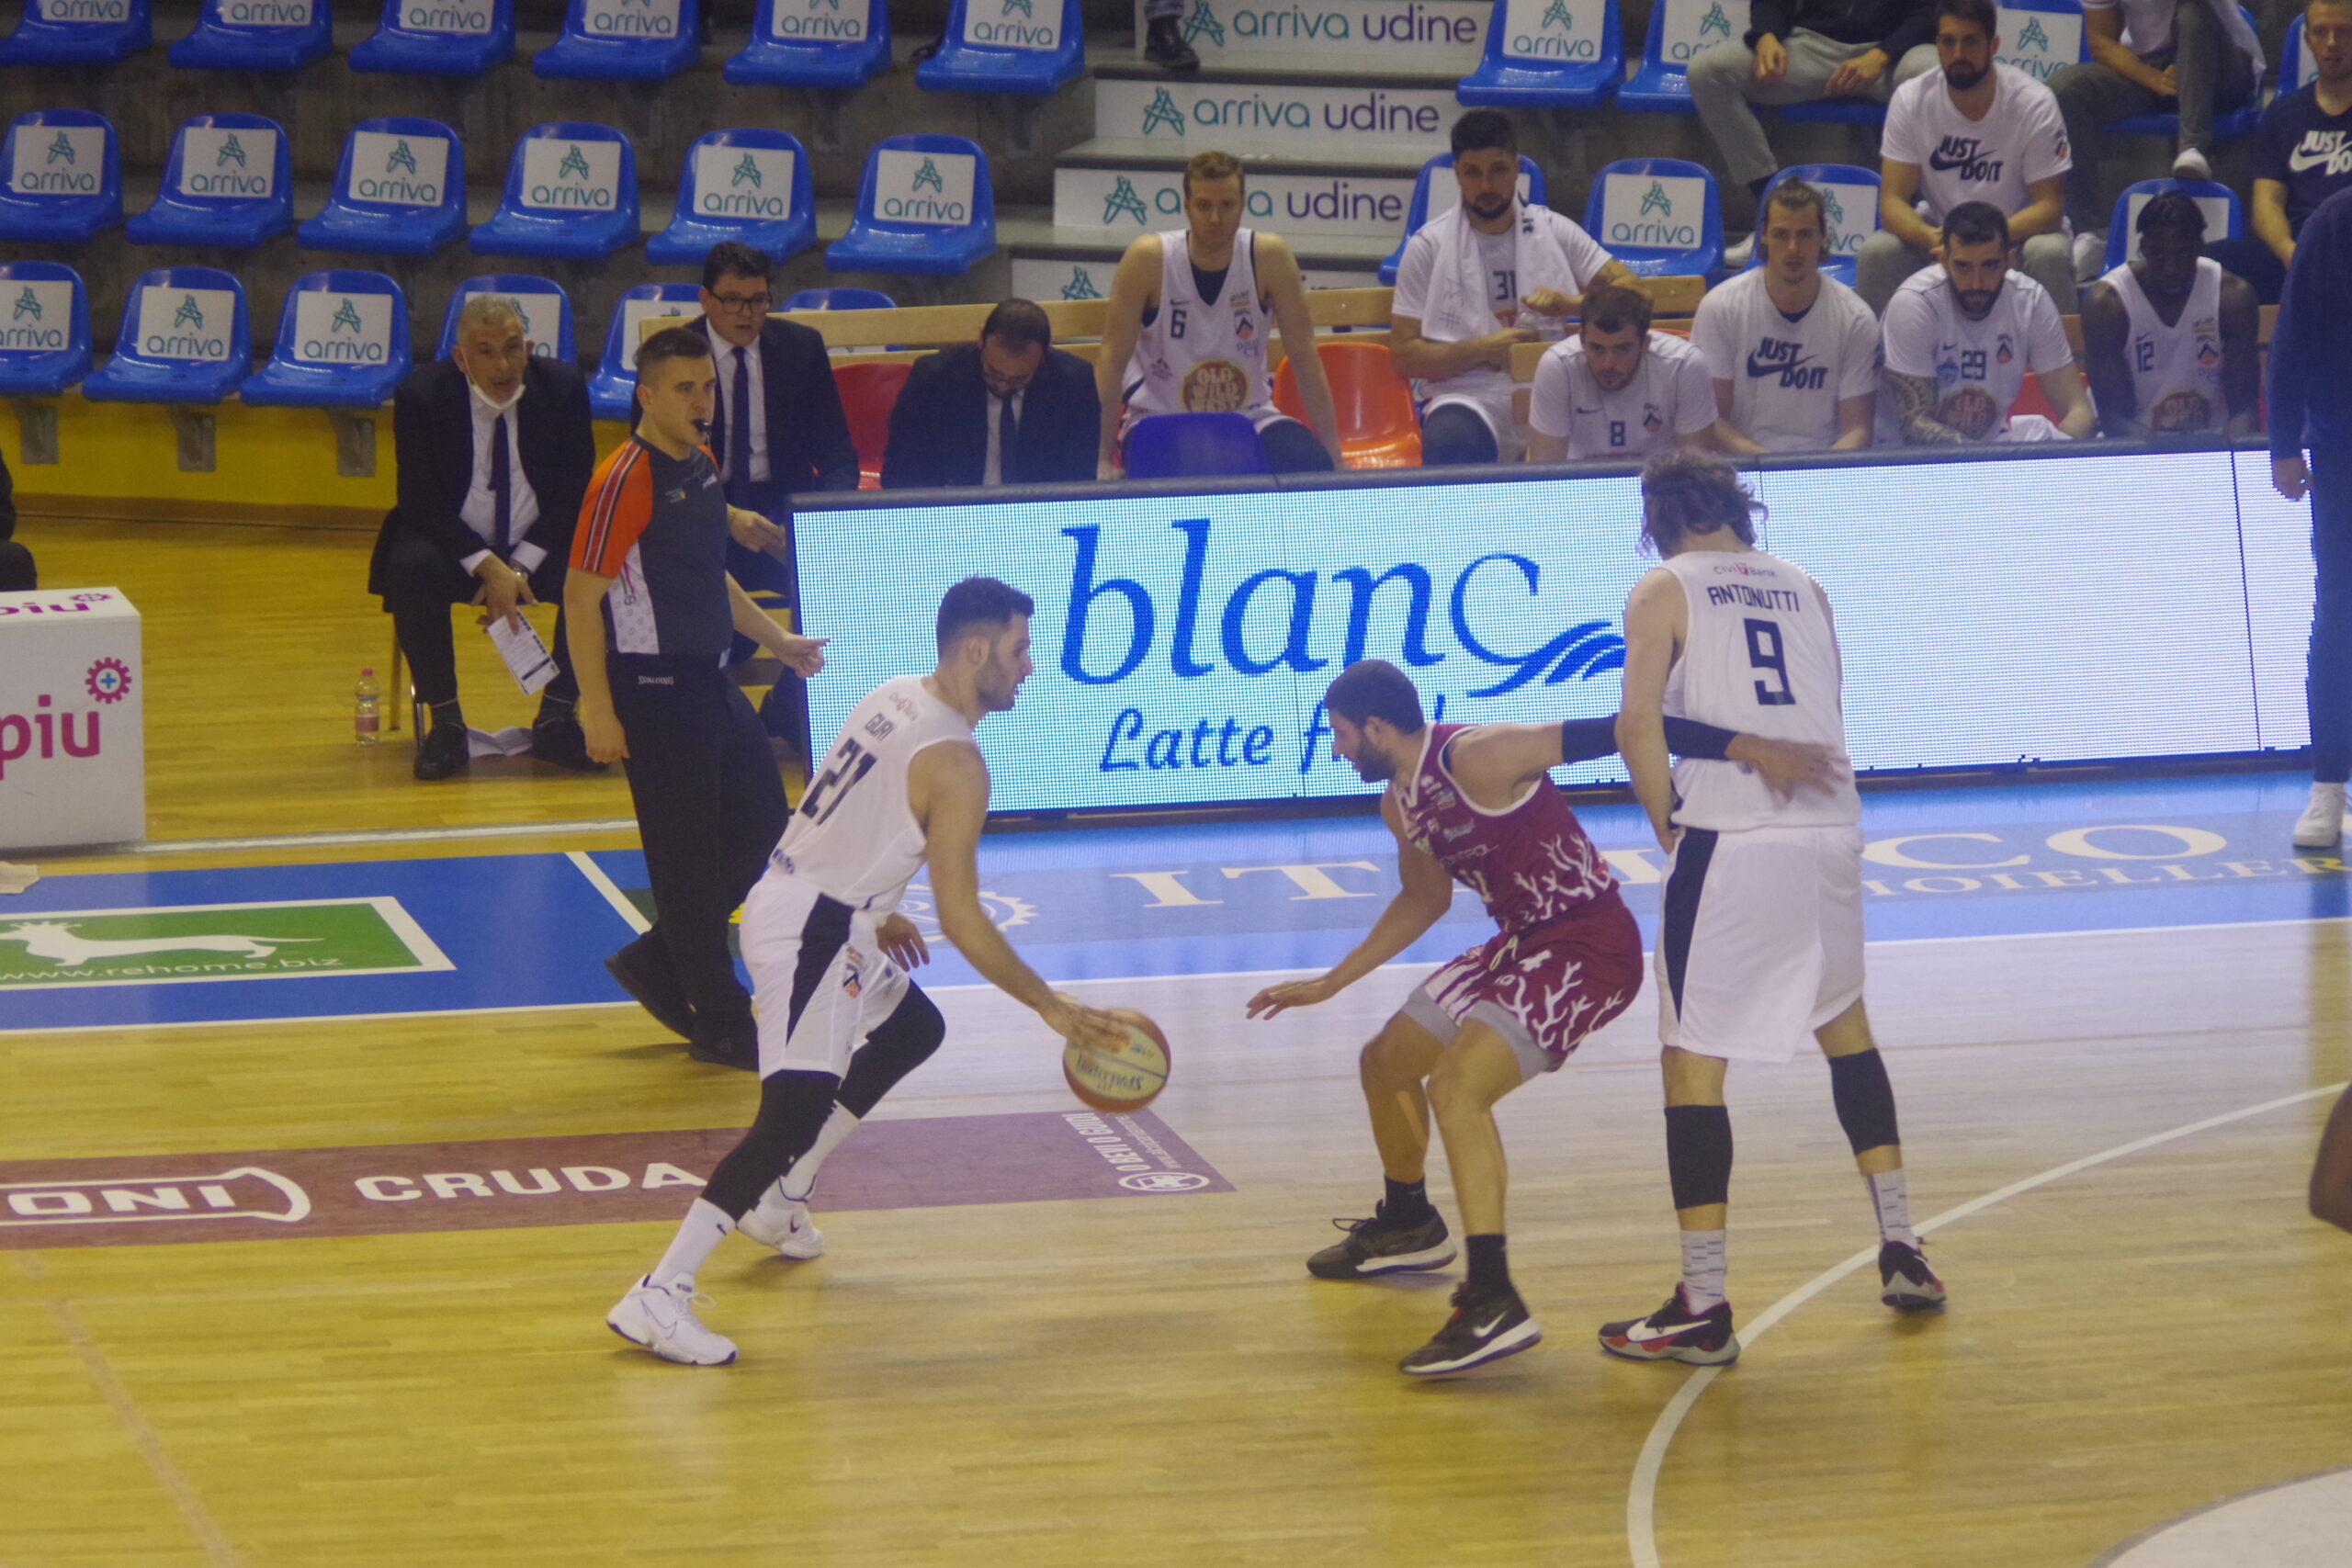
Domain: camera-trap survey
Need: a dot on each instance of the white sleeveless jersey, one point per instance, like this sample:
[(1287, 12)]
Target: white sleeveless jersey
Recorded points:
[(853, 836), (2176, 370), (1201, 358), (1759, 656)]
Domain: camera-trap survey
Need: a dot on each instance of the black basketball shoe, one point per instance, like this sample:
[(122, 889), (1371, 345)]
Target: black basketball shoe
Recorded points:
[(1908, 1284), (643, 969), (1675, 1332), (1380, 1245), (1483, 1328)]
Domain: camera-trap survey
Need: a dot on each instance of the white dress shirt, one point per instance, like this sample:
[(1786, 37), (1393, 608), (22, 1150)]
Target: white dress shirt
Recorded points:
[(480, 510), (994, 473), (727, 353)]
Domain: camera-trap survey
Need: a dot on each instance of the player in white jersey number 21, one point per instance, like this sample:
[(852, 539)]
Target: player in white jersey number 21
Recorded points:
[(1760, 943), (839, 1022)]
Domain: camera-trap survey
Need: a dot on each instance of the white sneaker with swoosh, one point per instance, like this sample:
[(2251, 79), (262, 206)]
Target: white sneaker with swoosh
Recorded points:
[(778, 1222), (1483, 1328), (662, 1318)]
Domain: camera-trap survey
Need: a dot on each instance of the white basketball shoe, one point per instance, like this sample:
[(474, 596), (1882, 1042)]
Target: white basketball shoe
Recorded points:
[(661, 1319), (2321, 824), (783, 1223)]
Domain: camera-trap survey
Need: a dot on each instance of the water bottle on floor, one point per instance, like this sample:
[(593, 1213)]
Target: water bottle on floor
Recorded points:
[(367, 711)]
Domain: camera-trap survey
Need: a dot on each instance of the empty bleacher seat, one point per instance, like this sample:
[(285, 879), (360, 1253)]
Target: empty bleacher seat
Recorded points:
[(185, 338), (1189, 445), (44, 329), (751, 185), (840, 299), (546, 308), (2224, 218), (614, 385), (1378, 427), (1435, 187), (2042, 37), (2298, 67), (438, 37), (571, 192), (1679, 29), (341, 344), (1661, 216), (228, 182), (621, 40), (74, 32), (1007, 46), (401, 190), (255, 35), (924, 205), (1549, 54), (2227, 126), (63, 174), (1850, 197), (869, 392), (813, 43)]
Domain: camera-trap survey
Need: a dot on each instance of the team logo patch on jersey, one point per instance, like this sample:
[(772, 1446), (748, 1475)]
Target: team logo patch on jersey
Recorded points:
[(2006, 352), (2208, 354), (1215, 386), (1653, 419)]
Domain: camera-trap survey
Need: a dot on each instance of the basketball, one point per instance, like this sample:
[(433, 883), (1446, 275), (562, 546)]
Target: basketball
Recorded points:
[(1126, 1079)]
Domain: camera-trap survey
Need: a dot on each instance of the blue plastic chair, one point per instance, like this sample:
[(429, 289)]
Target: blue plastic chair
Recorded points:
[(44, 329), (1657, 239), (218, 44), (2239, 121), (2297, 69), (920, 209), (558, 170), (401, 190), (1191, 446), (621, 40), (840, 299), (228, 182), (814, 43), (1003, 46), (1549, 54), (751, 185), (341, 344), (613, 387), (2224, 218), (438, 37), (1417, 213), (1849, 191), (534, 297), (1661, 84), (43, 40), (74, 187), (2042, 37), (185, 338)]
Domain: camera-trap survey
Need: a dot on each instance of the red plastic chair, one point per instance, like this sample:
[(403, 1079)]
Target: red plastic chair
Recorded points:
[(868, 394), (1377, 425)]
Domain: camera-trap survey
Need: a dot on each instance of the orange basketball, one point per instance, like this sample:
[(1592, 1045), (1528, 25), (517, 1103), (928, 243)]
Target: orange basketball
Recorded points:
[(1126, 1079)]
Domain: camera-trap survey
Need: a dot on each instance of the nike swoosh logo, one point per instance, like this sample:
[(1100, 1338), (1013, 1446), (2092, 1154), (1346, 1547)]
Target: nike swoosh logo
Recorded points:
[(1498, 1323), (2303, 163), (1647, 1330), (1774, 368)]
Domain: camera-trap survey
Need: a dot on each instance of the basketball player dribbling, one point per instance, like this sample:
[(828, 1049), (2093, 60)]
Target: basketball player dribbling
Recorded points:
[(840, 1020), (1761, 943), (1475, 803)]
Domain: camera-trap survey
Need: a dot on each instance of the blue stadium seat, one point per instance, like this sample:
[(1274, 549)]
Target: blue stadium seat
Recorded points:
[(2296, 66), (2239, 121), (185, 338), (571, 193), (751, 185), (2042, 37), (1532, 190), (341, 344), (924, 205), (814, 43), (534, 297), (1640, 208), (62, 170), (44, 329), (1679, 29), (1004, 46), (438, 37), (1192, 445), (614, 385), (621, 40), (2224, 216), (229, 182), (1549, 54), (400, 191), (44, 39), (840, 299), (1850, 194), (268, 35)]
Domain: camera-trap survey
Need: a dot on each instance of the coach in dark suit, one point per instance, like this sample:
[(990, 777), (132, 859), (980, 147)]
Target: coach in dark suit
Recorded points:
[(494, 449), (1011, 409)]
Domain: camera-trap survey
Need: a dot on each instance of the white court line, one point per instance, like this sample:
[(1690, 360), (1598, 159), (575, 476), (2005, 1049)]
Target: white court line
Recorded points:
[(375, 835), (611, 890), (1641, 1496)]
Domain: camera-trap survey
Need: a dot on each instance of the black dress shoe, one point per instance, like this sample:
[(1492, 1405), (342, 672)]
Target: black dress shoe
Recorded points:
[(445, 751), (561, 741), (1165, 47), (737, 1047), (653, 984)]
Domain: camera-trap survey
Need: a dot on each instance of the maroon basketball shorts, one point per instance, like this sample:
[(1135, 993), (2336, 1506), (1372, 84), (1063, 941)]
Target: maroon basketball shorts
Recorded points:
[(1542, 989)]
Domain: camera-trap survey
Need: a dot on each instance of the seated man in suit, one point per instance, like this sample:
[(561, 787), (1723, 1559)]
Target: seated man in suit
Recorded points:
[(17, 573), (494, 450), (1011, 409)]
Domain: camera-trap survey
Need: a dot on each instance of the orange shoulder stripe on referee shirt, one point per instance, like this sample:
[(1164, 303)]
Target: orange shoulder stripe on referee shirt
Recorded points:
[(618, 506)]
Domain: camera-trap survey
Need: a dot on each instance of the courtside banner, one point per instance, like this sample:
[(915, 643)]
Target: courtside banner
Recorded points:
[(2102, 604)]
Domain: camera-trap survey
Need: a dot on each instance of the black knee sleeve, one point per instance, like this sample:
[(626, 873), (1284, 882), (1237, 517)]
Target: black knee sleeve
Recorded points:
[(1865, 1100), (899, 1045), (792, 1108), (1292, 448), (1698, 1155), (1455, 435)]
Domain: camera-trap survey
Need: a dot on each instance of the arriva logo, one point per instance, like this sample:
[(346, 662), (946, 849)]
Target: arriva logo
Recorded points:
[(411, 172), (229, 154), (1162, 112), (1411, 23), (739, 188), (747, 169), (1123, 199), (347, 337), (267, 13), (401, 157), (652, 21), (346, 318), (28, 304), (1541, 43), (929, 175), (1202, 23), (1006, 33), (2033, 38), (62, 148), (586, 194), (1714, 24), (1080, 286), (188, 338), (59, 172), (1654, 222), (807, 24), (231, 151), (86, 10), (190, 315), (1657, 201), (446, 20)]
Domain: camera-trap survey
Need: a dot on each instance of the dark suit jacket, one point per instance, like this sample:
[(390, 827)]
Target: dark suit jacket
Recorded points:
[(939, 428), (432, 442), (809, 444)]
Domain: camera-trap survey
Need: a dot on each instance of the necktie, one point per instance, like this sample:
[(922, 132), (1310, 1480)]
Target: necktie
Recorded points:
[(739, 432), (502, 484), (1008, 439)]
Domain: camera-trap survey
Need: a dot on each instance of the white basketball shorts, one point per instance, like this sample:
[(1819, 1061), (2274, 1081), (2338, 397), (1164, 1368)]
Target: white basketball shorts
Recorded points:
[(819, 980), (1762, 941)]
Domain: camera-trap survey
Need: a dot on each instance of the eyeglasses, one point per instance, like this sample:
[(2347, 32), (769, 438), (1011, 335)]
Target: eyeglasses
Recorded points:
[(741, 302)]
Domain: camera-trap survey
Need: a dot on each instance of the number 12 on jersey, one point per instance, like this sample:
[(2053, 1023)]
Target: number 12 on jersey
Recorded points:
[(1763, 653)]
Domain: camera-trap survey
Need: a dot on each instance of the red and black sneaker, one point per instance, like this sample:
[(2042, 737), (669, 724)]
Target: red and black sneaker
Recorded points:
[(1907, 1283), (1674, 1333)]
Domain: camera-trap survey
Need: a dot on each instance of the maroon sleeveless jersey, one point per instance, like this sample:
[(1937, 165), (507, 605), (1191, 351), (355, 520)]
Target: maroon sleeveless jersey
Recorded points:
[(1531, 862)]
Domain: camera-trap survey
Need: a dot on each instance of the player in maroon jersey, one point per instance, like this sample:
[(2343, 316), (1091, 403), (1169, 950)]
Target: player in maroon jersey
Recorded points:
[(1475, 804)]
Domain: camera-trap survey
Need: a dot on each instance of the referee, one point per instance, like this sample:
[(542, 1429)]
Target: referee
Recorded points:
[(650, 612)]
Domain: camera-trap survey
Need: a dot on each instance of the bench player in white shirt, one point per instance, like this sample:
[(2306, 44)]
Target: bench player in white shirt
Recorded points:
[(839, 1022), (1617, 388), (1961, 339), (1762, 941), (2170, 338)]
